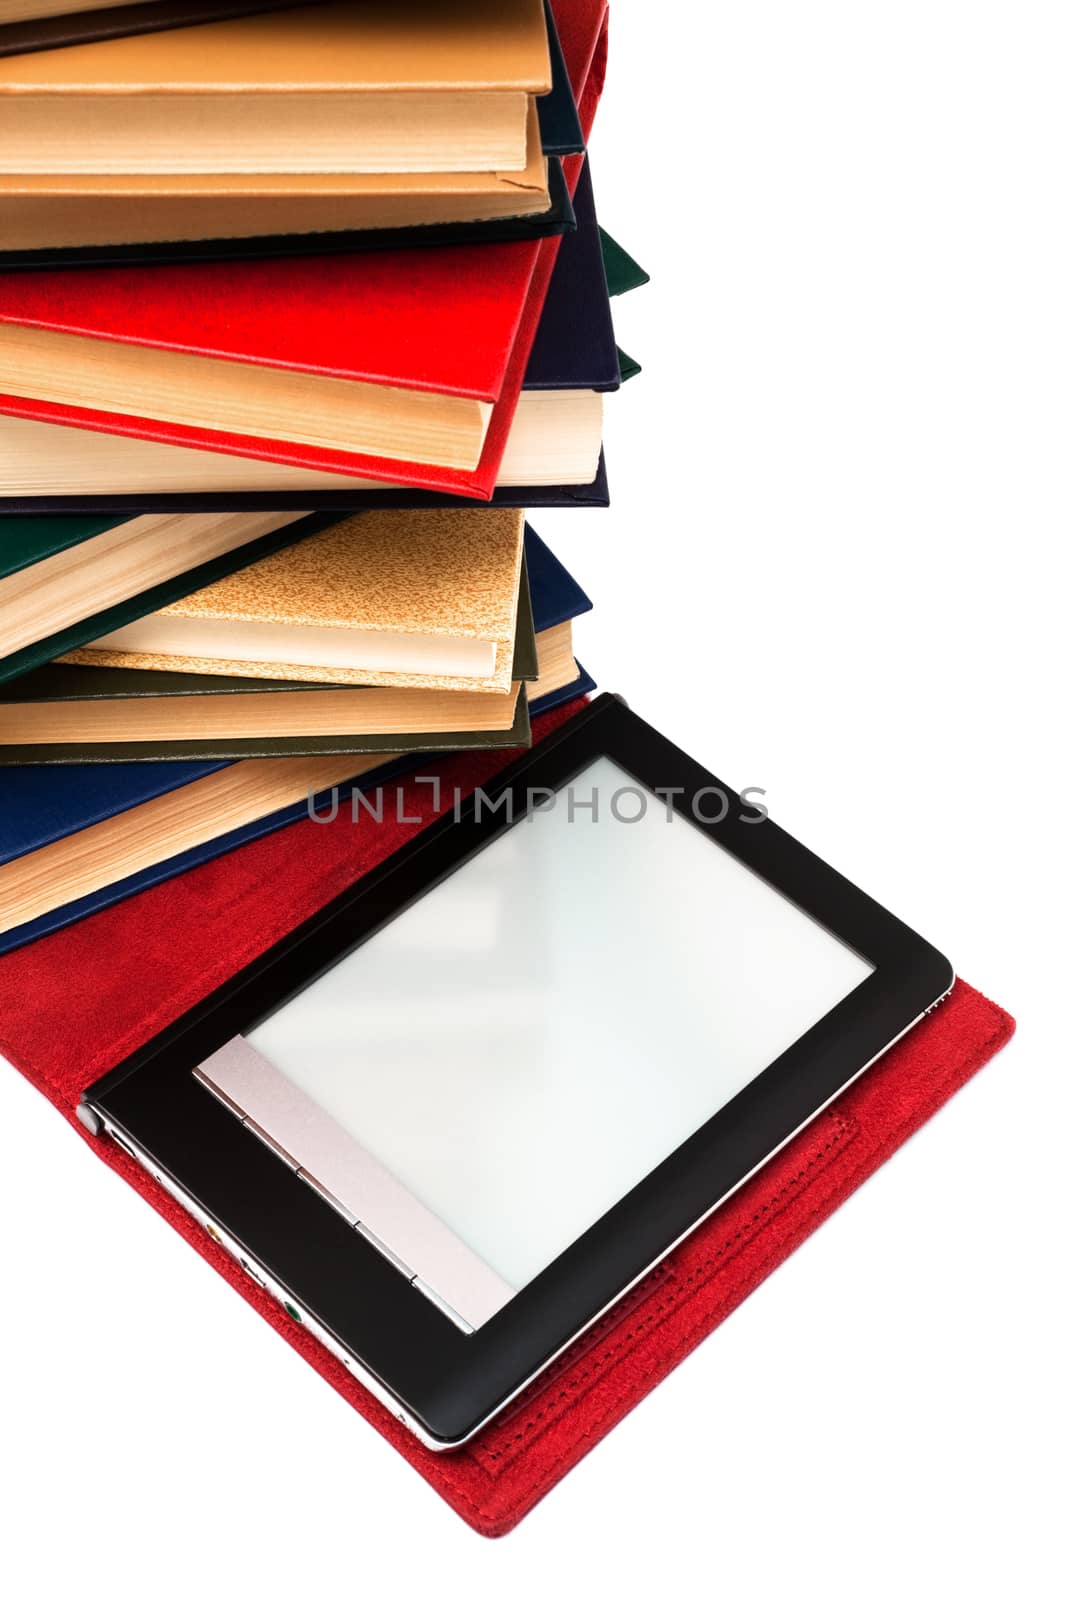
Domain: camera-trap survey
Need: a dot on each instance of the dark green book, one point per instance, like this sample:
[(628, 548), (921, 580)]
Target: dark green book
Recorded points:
[(628, 367), (56, 571), (621, 270)]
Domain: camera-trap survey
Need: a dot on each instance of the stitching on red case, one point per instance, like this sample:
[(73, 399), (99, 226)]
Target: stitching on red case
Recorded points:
[(576, 1352), (506, 1516), (498, 1515), (491, 1457)]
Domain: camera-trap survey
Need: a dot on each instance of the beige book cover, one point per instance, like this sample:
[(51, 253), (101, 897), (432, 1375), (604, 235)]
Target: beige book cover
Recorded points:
[(424, 599), (373, 46)]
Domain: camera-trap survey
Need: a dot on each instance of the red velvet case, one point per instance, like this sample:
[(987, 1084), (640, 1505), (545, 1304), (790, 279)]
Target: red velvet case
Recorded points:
[(74, 1004)]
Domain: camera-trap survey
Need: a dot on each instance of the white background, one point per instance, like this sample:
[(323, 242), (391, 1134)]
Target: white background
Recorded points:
[(834, 567)]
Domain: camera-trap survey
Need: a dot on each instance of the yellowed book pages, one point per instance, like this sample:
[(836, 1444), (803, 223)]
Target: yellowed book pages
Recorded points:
[(290, 714), (201, 811), (126, 560), (46, 211), (118, 847), (555, 659), (243, 397), (555, 438)]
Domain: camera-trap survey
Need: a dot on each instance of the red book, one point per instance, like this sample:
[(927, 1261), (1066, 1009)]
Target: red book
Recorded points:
[(420, 354)]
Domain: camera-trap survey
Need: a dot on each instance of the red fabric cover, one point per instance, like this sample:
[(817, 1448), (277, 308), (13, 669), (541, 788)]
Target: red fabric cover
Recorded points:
[(74, 1004), (286, 313), (452, 320)]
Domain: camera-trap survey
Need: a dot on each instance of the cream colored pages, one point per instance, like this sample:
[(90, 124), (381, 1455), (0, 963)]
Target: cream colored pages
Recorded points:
[(554, 439), (361, 649), (292, 714), (285, 132), (243, 397), (555, 659), (122, 562), (317, 713), (49, 211)]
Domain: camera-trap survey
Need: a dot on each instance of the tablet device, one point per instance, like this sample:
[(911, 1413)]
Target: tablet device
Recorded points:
[(458, 1114)]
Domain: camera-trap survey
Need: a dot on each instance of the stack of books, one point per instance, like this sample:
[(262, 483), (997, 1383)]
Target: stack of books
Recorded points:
[(302, 309)]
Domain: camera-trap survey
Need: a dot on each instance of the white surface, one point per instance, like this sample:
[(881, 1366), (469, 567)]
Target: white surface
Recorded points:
[(520, 1096), (859, 342)]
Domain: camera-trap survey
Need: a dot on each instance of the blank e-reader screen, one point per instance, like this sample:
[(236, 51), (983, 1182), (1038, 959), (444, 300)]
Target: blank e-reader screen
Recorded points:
[(529, 1040)]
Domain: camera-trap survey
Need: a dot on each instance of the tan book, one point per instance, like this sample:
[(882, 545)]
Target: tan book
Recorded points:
[(205, 722), (46, 211), (402, 599), (373, 87)]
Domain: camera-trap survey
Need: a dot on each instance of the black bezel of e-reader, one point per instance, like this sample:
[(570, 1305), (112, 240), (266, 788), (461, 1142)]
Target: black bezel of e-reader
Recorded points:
[(443, 1381)]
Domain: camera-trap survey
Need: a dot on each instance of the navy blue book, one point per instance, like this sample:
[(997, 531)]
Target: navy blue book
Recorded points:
[(42, 806), (574, 349), (557, 113), (555, 596), (342, 501), (575, 346)]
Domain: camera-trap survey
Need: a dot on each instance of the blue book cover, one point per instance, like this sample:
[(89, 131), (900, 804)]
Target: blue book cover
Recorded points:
[(575, 345), (554, 595)]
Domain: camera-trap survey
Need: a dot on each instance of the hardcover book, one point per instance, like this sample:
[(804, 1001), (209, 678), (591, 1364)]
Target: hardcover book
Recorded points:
[(401, 366), (86, 218), (66, 580), (76, 838), (575, 345), (70, 722), (554, 440), (401, 599), (63, 714), (69, 714), (63, 220), (62, 840), (370, 88), (340, 501), (55, 220)]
